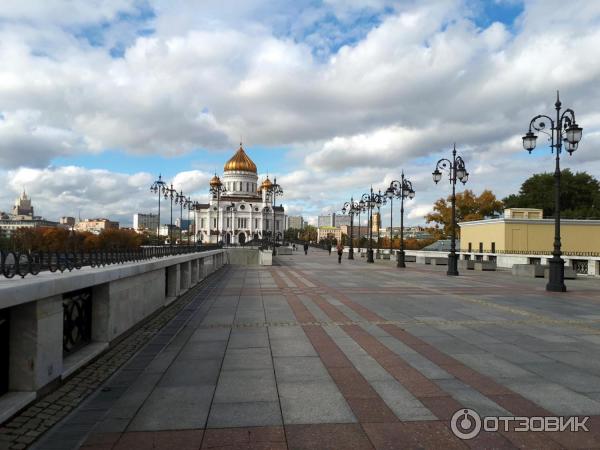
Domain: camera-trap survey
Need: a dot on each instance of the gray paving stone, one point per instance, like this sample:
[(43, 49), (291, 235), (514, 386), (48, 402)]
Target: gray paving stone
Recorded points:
[(313, 402), (200, 350), (247, 358), (190, 372), (210, 334), (292, 347), (471, 398), (565, 375), (174, 408), (489, 364), (241, 386), (248, 414), (555, 398), (300, 368), (401, 402)]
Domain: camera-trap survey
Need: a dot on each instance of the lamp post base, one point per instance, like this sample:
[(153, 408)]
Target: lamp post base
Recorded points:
[(351, 253), (452, 265), (556, 275), (370, 256), (400, 259)]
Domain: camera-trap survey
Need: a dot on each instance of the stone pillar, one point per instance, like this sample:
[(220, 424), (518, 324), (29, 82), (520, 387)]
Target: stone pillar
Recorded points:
[(201, 274), (194, 276), (102, 314), (593, 267), (185, 275), (173, 283), (36, 337)]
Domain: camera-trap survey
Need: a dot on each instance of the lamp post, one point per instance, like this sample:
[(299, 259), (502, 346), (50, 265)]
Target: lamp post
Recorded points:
[(351, 208), (564, 128), (370, 201), (157, 188), (216, 189), (457, 171), (195, 206), (400, 189), (274, 190), (180, 199), (379, 222), (170, 193), (188, 206)]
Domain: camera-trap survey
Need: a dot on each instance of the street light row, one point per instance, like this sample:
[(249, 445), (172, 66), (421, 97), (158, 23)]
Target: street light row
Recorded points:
[(161, 188), (563, 130)]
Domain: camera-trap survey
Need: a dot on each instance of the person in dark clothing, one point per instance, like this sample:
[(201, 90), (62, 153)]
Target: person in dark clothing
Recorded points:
[(329, 248), (306, 248), (340, 252)]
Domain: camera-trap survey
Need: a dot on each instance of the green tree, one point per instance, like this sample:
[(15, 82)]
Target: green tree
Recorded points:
[(309, 233), (468, 207), (579, 196)]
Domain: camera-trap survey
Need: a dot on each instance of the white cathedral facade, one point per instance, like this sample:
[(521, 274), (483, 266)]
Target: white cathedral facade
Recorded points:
[(243, 212)]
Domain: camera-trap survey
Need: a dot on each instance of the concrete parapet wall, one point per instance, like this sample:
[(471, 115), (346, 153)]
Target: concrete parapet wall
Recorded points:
[(121, 296)]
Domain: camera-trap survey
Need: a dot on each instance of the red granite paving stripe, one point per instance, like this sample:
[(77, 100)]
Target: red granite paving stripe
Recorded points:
[(245, 438), (439, 402), (353, 386), (412, 435), (167, 440), (347, 436)]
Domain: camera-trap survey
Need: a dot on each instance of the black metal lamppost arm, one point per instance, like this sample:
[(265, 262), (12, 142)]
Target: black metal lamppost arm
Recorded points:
[(157, 188), (457, 171), (370, 201), (401, 189), (563, 130), (274, 190), (351, 208), (170, 193)]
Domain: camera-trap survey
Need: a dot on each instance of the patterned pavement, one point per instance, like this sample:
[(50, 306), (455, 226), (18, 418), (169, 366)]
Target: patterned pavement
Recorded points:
[(310, 354)]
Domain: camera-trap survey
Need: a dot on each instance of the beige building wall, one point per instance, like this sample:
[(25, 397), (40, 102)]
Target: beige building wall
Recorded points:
[(530, 235)]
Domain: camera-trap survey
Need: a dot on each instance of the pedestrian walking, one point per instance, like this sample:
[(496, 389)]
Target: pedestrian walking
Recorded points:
[(329, 247), (306, 248), (340, 252), (294, 247)]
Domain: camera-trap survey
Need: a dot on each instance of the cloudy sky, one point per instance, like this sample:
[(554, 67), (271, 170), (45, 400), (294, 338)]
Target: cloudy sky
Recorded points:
[(331, 96)]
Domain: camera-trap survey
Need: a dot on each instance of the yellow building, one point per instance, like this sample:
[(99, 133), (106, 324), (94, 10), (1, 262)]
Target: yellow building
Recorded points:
[(329, 233), (524, 230)]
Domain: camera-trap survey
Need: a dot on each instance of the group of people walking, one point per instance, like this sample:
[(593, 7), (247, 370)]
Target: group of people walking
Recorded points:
[(339, 248)]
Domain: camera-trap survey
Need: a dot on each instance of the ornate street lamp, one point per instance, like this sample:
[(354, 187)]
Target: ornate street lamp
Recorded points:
[(370, 201), (274, 190), (457, 171), (400, 189), (157, 188), (351, 208), (180, 199), (563, 129), (170, 193), (217, 188), (195, 206)]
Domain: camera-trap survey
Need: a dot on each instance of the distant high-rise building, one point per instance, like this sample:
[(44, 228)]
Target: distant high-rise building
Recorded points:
[(143, 222), (23, 210), (184, 224), (296, 222), (333, 220)]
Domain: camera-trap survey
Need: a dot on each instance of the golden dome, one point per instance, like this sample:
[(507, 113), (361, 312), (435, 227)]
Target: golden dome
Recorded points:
[(240, 161), (266, 184), (215, 181)]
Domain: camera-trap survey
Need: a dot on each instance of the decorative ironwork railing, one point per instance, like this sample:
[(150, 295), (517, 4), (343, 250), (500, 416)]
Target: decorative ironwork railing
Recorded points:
[(32, 263), (77, 319), (530, 252), (580, 266)]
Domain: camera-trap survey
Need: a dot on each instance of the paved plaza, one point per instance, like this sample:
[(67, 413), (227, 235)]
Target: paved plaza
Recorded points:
[(310, 354)]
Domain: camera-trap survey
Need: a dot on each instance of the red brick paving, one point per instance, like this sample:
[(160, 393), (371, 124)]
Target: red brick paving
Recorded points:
[(255, 438), (347, 436), (164, 440)]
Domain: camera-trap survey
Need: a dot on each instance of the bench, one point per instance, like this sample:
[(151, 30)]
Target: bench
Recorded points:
[(539, 271), (439, 261)]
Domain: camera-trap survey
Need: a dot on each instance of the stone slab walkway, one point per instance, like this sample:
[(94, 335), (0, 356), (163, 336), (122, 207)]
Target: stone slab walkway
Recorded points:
[(310, 354)]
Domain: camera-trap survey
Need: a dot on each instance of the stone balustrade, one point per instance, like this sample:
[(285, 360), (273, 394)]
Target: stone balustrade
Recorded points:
[(56, 322)]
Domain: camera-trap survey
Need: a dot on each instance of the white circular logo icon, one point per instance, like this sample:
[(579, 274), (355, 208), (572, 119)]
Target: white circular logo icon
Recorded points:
[(465, 424)]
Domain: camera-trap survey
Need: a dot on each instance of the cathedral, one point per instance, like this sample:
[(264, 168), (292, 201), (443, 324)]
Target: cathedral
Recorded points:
[(240, 210)]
